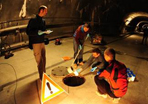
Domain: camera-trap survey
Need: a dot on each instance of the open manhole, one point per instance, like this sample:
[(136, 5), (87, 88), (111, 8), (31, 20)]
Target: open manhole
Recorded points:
[(72, 80)]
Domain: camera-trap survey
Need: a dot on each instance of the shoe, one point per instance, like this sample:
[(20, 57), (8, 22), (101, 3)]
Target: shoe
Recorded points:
[(116, 100), (8, 55), (69, 70), (102, 95), (75, 66), (81, 63), (11, 54)]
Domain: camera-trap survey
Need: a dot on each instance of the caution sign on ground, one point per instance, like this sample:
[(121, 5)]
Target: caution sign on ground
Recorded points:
[(49, 89)]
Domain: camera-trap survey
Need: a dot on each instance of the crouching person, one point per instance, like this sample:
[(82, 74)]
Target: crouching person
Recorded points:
[(96, 62), (112, 80)]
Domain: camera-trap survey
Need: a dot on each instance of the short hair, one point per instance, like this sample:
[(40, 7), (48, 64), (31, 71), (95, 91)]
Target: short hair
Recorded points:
[(42, 7), (87, 25), (96, 50), (110, 52)]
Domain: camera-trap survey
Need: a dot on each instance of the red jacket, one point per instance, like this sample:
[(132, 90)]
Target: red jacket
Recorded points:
[(116, 76), (80, 35)]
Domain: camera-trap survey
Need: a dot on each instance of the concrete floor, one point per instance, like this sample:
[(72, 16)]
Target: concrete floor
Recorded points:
[(27, 89)]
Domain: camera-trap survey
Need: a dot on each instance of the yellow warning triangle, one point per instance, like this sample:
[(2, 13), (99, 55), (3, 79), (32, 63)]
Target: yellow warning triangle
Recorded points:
[(49, 89)]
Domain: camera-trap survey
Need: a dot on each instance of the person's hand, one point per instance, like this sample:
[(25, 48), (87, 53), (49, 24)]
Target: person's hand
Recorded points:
[(76, 72), (80, 47), (93, 69), (40, 32), (48, 31), (98, 72)]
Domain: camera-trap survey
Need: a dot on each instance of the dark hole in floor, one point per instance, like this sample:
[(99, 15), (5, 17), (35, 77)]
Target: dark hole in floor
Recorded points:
[(73, 80)]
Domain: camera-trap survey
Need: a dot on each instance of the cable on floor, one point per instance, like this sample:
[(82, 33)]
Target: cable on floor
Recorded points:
[(15, 80)]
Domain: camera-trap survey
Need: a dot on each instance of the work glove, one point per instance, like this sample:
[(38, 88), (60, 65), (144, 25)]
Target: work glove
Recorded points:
[(80, 47), (98, 72), (76, 72), (93, 69), (88, 35)]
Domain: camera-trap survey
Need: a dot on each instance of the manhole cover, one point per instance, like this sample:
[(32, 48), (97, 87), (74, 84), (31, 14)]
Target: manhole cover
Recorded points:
[(59, 71), (73, 81)]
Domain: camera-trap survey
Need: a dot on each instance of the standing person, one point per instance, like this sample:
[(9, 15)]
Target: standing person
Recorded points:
[(78, 41), (113, 80), (96, 62), (36, 40)]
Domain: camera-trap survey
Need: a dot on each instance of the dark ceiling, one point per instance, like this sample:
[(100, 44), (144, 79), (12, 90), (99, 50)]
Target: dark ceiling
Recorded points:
[(111, 12)]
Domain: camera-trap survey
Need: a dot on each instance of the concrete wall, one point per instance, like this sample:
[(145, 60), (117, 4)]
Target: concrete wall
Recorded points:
[(64, 16), (102, 12), (18, 9)]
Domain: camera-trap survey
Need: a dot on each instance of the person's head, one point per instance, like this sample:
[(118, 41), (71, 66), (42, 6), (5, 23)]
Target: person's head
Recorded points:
[(96, 52), (42, 11), (109, 54), (86, 27)]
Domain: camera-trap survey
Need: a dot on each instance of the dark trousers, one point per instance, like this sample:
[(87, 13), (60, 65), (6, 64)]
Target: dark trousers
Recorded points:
[(39, 53), (103, 86)]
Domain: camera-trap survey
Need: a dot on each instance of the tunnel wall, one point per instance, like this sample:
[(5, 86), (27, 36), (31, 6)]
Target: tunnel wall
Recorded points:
[(19, 9), (106, 15), (64, 16)]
